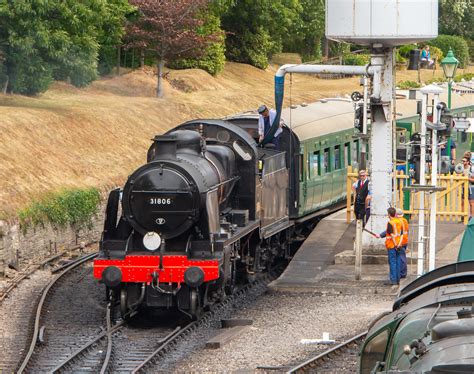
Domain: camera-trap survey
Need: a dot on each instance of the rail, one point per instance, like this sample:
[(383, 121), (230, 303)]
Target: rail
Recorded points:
[(39, 309), (452, 202), (316, 361)]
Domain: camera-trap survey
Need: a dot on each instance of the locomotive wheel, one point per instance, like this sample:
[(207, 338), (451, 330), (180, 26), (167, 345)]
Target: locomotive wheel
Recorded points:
[(123, 302)]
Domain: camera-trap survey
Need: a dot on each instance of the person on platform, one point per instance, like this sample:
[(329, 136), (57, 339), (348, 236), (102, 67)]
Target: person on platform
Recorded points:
[(444, 150), (469, 172), (403, 250), (426, 56), (265, 121), (393, 242), (361, 189)]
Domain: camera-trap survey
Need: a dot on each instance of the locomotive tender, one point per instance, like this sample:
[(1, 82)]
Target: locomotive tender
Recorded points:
[(211, 209)]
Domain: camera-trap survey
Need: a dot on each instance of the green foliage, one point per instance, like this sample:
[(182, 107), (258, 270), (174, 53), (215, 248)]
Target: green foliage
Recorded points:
[(213, 60), (440, 79), (456, 43), (355, 59), (399, 58), (73, 207), (338, 49), (465, 76), (307, 30), (256, 29), (470, 44), (436, 53), (405, 49), (456, 17), (405, 85), (41, 40), (115, 14)]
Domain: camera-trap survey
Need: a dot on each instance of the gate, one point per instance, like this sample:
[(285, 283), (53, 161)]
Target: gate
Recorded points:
[(452, 202)]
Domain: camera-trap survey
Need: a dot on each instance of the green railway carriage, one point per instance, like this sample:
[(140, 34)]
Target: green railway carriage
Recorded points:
[(320, 139), (325, 132)]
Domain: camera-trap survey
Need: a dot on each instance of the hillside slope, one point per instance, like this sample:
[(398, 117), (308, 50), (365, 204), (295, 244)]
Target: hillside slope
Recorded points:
[(96, 136)]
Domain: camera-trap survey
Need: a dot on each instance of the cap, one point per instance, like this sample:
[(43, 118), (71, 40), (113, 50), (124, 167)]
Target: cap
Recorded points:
[(262, 108), (399, 212)]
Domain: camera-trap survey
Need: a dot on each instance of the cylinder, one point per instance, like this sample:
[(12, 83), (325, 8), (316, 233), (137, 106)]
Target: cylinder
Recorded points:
[(414, 62)]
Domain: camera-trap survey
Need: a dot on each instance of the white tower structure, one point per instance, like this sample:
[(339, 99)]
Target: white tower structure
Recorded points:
[(381, 25)]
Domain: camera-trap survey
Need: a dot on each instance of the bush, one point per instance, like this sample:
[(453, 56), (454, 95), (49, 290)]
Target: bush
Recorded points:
[(353, 59), (456, 43), (466, 77), (250, 48), (470, 44), (405, 85), (73, 207), (436, 80), (436, 53), (405, 49)]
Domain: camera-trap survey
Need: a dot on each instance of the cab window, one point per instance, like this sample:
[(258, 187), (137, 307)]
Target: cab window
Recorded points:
[(374, 351)]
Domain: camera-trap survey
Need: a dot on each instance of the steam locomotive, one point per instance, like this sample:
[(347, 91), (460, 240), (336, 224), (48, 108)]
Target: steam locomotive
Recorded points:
[(431, 327), (207, 209)]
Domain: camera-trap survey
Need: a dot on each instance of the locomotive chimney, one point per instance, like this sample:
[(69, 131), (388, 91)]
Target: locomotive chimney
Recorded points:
[(164, 147)]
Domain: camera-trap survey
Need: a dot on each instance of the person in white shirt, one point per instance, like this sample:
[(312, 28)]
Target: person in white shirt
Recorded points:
[(265, 121)]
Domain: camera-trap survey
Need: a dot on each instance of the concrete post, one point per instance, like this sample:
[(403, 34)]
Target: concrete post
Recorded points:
[(358, 249), (381, 163), (434, 182), (421, 215)]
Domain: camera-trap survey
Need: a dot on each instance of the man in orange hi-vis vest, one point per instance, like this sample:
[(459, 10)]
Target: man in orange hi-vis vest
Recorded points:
[(403, 251), (393, 242)]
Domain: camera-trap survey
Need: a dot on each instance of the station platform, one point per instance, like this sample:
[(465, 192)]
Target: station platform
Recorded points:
[(323, 264)]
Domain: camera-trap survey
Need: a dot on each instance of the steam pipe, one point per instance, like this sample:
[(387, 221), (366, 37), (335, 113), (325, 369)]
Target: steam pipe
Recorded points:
[(309, 69)]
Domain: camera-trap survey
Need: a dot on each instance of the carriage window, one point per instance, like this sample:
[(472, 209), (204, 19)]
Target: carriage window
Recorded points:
[(316, 157), (347, 154), (337, 157), (374, 352), (301, 168), (355, 152), (326, 161)]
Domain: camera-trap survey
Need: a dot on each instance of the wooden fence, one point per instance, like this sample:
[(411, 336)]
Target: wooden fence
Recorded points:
[(452, 202)]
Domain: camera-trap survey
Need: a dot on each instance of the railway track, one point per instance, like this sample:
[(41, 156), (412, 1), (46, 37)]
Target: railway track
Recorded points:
[(67, 294), (336, 359), (73, 333)]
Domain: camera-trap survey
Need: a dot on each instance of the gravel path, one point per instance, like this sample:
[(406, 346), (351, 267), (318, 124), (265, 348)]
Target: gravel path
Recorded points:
[(15, 315), (280, 321)]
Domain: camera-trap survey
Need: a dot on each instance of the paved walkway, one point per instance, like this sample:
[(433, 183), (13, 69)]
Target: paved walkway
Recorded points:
[(313, 269)]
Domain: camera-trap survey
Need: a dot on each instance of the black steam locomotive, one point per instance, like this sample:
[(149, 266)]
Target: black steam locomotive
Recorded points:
[(208, 210)]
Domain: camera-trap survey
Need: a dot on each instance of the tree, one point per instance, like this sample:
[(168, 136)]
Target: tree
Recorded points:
[(213, 58), (256, 28), (41, 40), (456, 17), (113, 21), (169, 29), (307, 30)]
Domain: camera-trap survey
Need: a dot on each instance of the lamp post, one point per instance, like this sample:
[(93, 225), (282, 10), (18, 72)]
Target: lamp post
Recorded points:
[(449, 64)]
